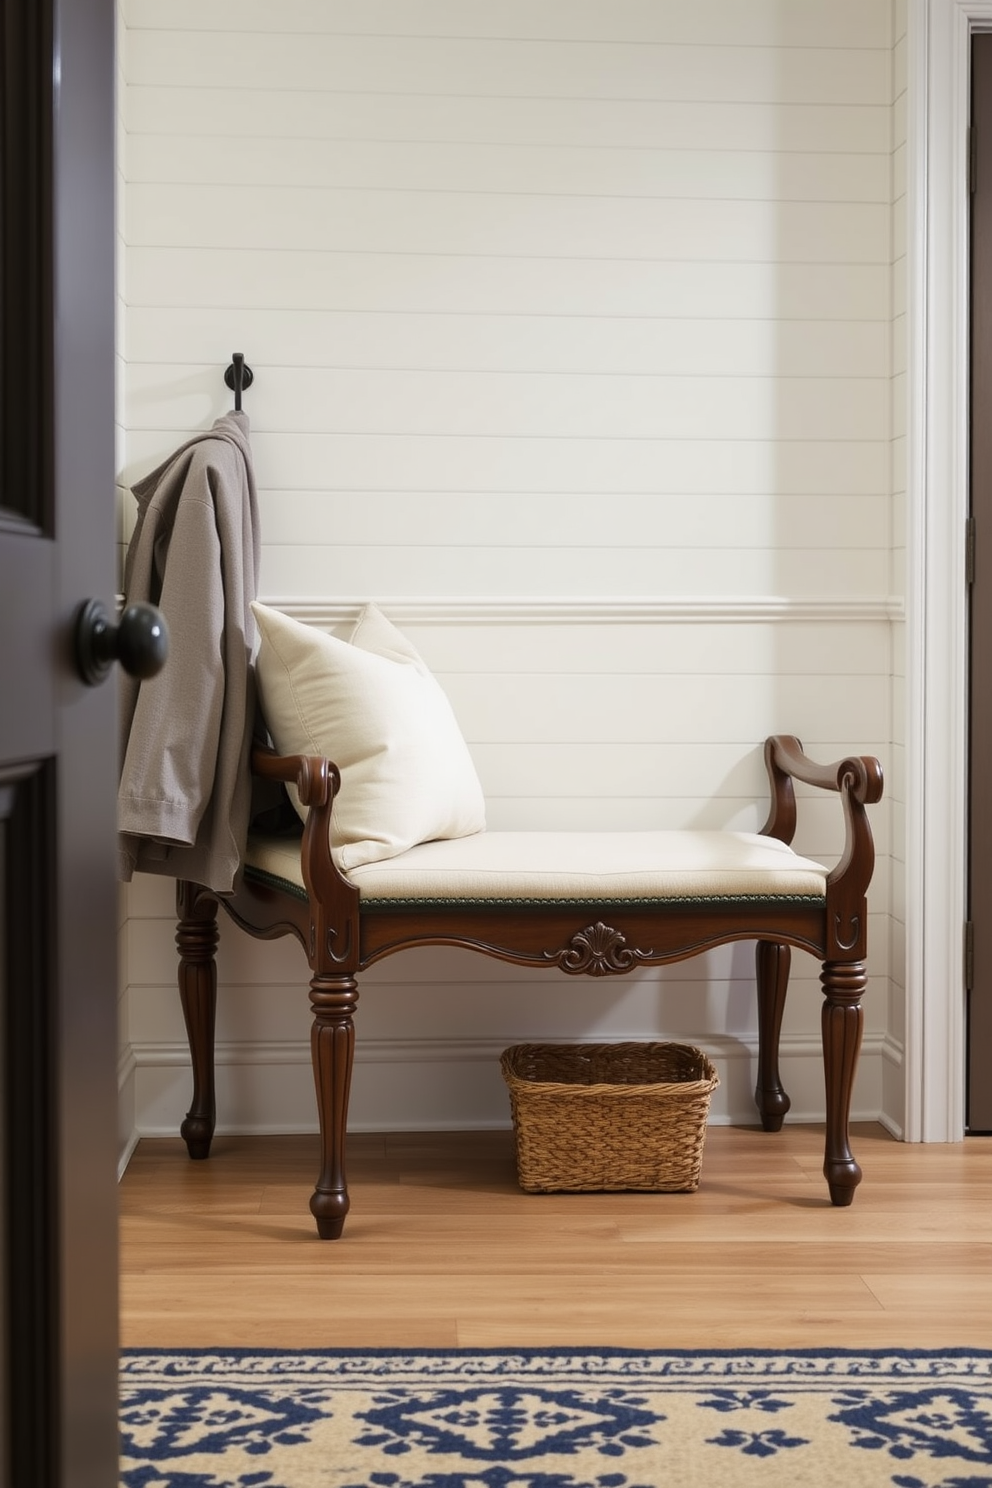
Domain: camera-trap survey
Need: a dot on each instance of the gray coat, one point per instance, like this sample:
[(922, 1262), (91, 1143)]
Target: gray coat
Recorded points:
[(183, 802)]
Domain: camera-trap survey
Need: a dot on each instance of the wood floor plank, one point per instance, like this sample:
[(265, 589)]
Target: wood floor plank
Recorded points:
[(442, 1248)]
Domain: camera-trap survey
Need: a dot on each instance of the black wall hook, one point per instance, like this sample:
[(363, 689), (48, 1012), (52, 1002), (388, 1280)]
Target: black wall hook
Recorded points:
[(239, 376)]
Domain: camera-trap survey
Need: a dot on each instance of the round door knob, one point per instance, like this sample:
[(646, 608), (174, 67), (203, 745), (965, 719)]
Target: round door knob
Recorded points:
[(140, 641)]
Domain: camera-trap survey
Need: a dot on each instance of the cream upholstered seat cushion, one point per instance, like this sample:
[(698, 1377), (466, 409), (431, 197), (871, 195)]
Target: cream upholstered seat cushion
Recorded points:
[(370, 704), (573, 866)]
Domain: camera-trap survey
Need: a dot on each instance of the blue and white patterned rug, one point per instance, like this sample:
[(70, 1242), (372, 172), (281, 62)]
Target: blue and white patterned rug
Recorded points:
[(555, 1419)]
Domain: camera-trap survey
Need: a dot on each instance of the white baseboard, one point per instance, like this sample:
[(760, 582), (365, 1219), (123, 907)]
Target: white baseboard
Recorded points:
[(892, 1114), (127, 1127), (443, 1084)]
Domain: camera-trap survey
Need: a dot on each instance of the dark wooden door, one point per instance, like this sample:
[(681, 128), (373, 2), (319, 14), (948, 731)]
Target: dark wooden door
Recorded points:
[(979, 978), (58, 897)]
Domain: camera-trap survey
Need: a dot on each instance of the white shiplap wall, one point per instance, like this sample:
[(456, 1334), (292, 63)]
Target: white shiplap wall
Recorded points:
[(572, 332)]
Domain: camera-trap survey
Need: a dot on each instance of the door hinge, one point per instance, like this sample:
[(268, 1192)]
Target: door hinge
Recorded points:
[(969, 550), (969, 955), (972, 158)]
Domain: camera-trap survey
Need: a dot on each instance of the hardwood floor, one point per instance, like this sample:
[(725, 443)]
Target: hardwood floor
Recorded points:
[(443, 1249)]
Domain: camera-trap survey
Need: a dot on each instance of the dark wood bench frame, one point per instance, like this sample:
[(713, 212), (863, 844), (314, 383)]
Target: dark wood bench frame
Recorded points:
[(341, 939)]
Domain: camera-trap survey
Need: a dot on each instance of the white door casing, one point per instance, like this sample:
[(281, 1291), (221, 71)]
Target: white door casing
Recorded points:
[(936, 597)]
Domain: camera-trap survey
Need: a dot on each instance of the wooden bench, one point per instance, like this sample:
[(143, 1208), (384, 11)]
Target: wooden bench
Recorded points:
[(584, 903)]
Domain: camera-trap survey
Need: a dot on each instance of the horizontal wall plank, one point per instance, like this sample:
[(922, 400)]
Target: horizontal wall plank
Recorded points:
[(330, 461), (898, 234), (745, 521), (400, 281), (848, 23), (494, 67), (899, 296), (352, 340), (415, 991), (678, 708), (456, 166), (776, 535), (474, 1049), (240, 218), (538, 405), (545, 806), (534, 405), (896, 786), (900, 360), (900, 59), (899, 170), (575, 123), (899, 111), (899, 393), (666, 569), (476, 999), (654, 771), (821, 834), (792, 647), (899, 478)]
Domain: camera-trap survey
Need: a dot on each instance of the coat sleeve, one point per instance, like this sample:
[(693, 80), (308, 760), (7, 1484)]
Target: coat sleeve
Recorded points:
[(170, 756)]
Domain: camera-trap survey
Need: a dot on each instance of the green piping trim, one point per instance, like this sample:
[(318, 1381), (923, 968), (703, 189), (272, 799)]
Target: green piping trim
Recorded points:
[(273, 881), (667, 903)]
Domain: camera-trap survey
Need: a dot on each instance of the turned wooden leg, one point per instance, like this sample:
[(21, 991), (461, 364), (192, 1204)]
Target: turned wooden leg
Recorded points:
[(197, 937), (843, 1019), (772, 966), (332, 1044)]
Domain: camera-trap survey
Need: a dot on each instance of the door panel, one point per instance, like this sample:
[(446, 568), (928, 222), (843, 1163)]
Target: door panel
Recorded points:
[(30, 1159), (58, 894), (27, 680)]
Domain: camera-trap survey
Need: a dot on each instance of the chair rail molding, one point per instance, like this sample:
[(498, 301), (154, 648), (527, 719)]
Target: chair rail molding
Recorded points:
[(937, 642), (600, 610)]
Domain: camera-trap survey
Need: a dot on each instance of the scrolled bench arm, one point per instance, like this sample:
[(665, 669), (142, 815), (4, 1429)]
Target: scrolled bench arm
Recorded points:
[(858, 780), (333, 900), (317, 781)]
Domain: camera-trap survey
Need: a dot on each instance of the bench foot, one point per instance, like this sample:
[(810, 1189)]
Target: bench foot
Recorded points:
[(772, 965), (332, 1046), (842, 1180), (842, 1022), (197, 937), (328, 1228), (198, 1137)]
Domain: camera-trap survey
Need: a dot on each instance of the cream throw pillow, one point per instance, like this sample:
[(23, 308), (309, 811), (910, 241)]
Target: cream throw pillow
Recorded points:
[(370, 704)]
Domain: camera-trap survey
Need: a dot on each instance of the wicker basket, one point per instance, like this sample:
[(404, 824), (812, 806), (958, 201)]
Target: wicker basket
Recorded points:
[(609, 1116)]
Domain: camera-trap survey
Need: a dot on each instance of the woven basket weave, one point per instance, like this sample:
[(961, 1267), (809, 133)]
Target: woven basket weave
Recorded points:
[(609, 1116)]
